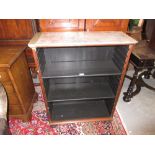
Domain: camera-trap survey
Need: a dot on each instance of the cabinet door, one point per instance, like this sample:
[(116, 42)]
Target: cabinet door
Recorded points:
[(50, 25), (107, 24), (16, 29)]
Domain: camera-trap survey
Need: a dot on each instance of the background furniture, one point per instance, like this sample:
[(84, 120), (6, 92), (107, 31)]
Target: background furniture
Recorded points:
[(17, 81), (81, 73), (143, 59)]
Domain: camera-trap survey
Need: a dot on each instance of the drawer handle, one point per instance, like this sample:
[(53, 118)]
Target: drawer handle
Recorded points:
[(0, 76)]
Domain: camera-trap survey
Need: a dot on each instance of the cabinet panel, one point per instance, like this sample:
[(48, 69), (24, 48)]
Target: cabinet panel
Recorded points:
[(17, 81), (17, 32), (16, 29), (23, 80), (9, 87), (15, 110), (4, 77), (51, 25), (107, 24), (12, 99)]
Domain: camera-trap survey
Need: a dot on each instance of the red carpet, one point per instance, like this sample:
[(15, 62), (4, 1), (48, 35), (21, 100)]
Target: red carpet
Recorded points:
[(39, 124)]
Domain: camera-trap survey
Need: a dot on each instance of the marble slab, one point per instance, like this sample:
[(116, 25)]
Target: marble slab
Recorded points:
[(97, 38)]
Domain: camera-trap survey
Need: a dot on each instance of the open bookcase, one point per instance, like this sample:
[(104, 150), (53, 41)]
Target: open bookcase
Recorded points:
[(81, 81)]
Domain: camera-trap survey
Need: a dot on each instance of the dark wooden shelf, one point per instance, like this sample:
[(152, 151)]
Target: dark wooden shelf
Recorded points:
[(78, 89), (80, 68), (78, 110)]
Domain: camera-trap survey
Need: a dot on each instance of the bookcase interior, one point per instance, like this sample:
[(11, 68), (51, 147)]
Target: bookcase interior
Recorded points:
[(81, 82)]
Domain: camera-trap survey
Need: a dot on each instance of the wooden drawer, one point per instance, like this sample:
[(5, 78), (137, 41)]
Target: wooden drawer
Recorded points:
[(4, 76)]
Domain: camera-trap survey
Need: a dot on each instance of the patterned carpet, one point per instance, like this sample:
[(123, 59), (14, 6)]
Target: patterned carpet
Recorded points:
[(39, 124)]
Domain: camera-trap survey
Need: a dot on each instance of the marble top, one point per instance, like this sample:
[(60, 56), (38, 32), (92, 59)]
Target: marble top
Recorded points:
[(97, 38)]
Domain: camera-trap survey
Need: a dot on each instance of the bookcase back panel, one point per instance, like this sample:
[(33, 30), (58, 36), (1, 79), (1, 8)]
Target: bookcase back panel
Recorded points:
[(78, 53)]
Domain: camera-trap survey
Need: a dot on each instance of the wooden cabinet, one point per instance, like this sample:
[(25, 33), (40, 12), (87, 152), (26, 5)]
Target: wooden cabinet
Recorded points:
[(49, 25), (81, 73), (107, 24), (59, 25), (17, 81)]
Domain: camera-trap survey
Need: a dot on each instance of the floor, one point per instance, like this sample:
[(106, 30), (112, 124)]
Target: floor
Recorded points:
[(138, 115)]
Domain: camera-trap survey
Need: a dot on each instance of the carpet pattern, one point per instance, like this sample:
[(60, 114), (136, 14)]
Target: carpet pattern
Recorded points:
[(39, 124)]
